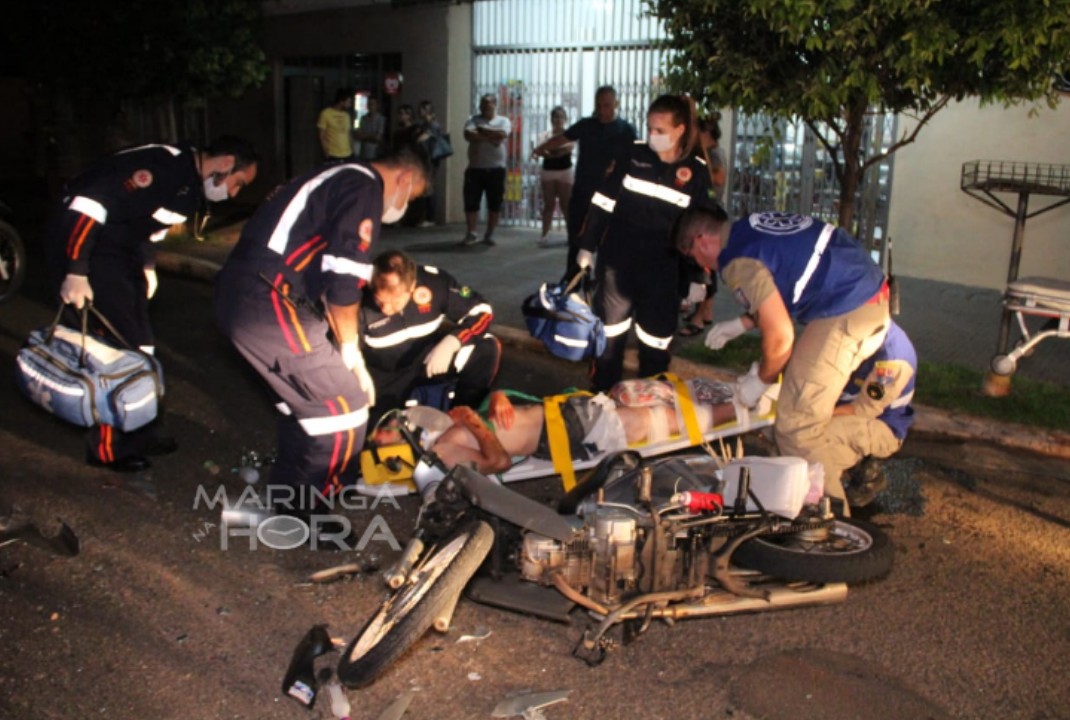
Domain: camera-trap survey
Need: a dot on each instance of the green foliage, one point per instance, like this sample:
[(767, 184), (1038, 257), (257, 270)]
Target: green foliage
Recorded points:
[(182, 48), (939, 385), (830, 62)]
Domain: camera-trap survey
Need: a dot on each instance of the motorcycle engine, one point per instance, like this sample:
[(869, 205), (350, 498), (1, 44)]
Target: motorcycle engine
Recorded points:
[(603, 561)]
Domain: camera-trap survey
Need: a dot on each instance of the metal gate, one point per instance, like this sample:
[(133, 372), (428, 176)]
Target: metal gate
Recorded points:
[(538, 54), (781, 165)]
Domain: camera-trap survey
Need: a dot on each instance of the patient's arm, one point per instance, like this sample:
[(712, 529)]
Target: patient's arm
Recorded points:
[(489, 456)]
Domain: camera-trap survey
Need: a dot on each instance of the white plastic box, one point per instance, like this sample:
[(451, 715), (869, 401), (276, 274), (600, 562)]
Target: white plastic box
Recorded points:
[(781, 484)]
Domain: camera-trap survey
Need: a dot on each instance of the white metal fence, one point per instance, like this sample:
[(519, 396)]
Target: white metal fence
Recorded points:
[(537, 54)]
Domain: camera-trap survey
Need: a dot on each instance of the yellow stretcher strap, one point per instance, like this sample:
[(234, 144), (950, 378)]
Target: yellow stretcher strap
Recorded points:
[(686, 403), (557, 438)]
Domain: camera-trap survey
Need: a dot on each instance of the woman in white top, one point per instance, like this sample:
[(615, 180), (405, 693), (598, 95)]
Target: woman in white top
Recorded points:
[(555, 176)]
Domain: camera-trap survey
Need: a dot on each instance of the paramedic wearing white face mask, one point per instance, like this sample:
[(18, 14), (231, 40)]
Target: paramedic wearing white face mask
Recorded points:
[(288, 298), (629, 225), (100, 249)]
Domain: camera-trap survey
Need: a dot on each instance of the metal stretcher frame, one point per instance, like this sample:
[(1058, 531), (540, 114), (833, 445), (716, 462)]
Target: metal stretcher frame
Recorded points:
[(1034, 297)]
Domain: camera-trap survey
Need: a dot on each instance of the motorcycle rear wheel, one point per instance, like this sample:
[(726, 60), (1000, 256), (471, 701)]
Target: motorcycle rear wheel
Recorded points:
[(852, 552), (409, 613), (12, 261)]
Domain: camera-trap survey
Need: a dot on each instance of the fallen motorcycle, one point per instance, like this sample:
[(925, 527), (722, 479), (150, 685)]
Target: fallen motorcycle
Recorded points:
[(672, 538)]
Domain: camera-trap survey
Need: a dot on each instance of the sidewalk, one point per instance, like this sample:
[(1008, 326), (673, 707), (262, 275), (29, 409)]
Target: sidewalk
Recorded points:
[(948, 323)]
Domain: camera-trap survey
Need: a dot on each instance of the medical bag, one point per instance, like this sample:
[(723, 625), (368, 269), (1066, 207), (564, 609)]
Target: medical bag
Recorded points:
[(564, 322), (87, 381)]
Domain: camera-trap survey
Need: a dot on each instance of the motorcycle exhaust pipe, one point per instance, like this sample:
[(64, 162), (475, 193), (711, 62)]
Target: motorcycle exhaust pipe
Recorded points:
[(778, 599), (396, 576)]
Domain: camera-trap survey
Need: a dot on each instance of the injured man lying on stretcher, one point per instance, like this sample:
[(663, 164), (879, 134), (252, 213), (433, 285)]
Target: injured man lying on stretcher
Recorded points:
[(635, 411)]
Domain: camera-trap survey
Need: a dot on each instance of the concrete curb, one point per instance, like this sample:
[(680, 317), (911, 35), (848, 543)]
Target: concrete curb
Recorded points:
[(928, 421)]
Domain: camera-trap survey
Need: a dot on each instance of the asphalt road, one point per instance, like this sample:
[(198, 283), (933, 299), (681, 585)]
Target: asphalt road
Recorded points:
[(154, 618)]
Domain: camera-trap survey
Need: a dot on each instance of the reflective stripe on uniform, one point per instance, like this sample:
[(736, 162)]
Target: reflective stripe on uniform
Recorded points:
[(168, 217), (606, 203), (89, 207), (169, 148), (345, 266), (335, 423), (283, 408), (281, 236), (654, 190), (480, 309), (462, 356), (159, 235), (653, 341), (618, 328), (402, 336), (903, 400), (811, 264)]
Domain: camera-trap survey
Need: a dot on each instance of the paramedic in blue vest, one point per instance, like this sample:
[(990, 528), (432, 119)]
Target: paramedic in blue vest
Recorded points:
[(288, 298), (872, 417), (424, 335), (630, 226), (99, 245), (782, 269)]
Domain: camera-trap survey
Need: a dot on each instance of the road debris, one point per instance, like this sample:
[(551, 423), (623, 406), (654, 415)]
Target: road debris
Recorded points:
[(529, 705)]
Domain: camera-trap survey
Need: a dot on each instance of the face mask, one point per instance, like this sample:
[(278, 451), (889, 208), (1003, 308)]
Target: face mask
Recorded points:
[(392, 214), (659, 143), (213, 192)]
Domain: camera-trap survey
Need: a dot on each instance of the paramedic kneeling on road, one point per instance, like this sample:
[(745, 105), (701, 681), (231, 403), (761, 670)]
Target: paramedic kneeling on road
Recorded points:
[(409, 353), (784, 268), (873, 416), (288, 297)]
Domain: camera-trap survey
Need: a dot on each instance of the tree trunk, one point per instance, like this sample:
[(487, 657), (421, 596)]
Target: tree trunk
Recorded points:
[(852, 165)]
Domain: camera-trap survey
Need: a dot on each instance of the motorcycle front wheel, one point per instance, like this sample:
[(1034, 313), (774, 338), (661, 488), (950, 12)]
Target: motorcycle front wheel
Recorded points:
[(12, 261), (409, 613), (849, 551)]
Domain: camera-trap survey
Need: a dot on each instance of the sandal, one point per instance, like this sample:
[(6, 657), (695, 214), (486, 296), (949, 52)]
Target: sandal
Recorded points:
[(692, 329)]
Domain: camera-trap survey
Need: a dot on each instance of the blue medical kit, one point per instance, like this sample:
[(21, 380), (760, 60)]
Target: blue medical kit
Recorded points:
[(564, 322), (87, 381)]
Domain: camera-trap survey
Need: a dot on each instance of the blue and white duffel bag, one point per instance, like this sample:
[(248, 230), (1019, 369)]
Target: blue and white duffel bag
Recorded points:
[(87, 381), (564, 322)]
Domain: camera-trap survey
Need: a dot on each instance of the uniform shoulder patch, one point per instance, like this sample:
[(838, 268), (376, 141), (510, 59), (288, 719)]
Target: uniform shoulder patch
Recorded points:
[(683, 175), (141, 178), (364, 232), (422, 295), (465, 291)]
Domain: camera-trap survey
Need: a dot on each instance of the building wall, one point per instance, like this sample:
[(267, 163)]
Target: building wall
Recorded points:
[(941, 233), (435, 43)]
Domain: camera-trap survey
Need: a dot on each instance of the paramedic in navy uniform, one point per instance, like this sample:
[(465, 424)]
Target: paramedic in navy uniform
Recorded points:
[(99, 250), (408, 350), (784, 268), (288, 298), (630, 226)]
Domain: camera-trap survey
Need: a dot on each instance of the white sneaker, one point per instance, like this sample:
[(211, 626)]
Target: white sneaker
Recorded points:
[(549, 242), (470, 239)]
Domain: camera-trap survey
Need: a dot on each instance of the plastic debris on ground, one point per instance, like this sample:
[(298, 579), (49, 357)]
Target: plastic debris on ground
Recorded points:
[(396, 709), (334, 573), (529, 705), (18, 526), (480, 633)]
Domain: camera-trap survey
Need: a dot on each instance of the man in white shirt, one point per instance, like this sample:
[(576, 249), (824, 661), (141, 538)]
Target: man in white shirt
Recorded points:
[(486, 133), (370, 131)]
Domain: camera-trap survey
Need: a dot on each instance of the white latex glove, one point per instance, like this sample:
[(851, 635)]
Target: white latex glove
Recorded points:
[(439, 359), (584, 258), (363, 376), (76, 291), (696, 293), (750, 387), (151, 281), (350, 354), (721, 333)]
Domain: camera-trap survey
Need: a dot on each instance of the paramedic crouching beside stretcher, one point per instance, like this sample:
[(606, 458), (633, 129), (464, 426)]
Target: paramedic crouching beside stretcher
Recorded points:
[(409, 352), (288, 297), (783, 268)]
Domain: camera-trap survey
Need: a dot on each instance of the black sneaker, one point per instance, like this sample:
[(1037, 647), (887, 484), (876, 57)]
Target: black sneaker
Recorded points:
[(866, 481), (488, 240), (470, 239)]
